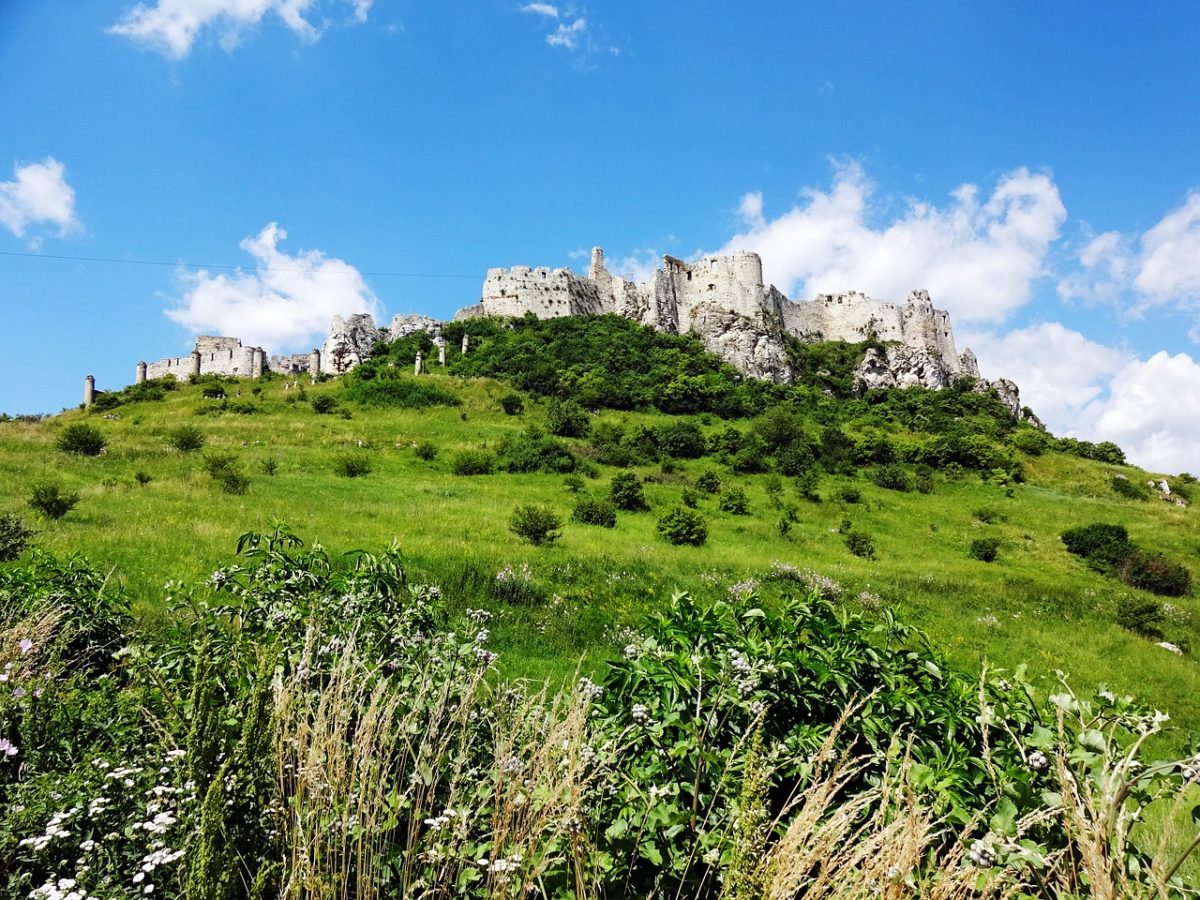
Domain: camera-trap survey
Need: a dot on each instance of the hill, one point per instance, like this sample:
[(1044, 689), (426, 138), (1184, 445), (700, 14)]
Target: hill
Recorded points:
[(790, 481)]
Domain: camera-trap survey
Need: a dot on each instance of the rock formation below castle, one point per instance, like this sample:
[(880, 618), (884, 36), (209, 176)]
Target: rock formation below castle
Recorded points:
[(723, 300)]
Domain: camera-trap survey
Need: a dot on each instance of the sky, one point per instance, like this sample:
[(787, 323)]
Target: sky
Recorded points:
[(253, 167)]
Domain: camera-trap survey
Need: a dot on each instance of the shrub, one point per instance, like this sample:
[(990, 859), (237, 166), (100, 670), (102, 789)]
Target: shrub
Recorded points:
[(1156, 574), (989, 516), (626, 492), (807, 483), (223, 469), (573, 483), (709, 482), (1140, 615), (924, 480), (595, 511), (324, 404), (681, 439), (536, 524), (473, 462), (683, 526), (893, 478), (689, 498), (352, 465), (186, 438), (1033, 441), (734, 501), (1128, 489), (270, 466), (566, 418), (850, 494), (860, 544), (427, 450), (536, 451), (142, 477), (1104, 546), (985, 549), (389, 389), (51, 500), (14, 536), (81, 438), (512, 404)]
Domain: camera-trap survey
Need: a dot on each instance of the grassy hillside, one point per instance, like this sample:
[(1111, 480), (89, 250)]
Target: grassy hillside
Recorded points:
[(156, 514)]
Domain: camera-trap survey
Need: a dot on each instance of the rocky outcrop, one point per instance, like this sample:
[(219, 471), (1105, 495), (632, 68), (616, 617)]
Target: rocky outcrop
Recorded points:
[(403, 326), (349, 343), (752, 346), (898, 367)]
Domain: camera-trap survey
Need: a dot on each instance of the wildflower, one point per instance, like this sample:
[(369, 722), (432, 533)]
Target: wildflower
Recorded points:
[(630, 651), (24, 645), (18, 693), (1038, 761), (641, 715), (588, 689), (982, 854), (7, 747)]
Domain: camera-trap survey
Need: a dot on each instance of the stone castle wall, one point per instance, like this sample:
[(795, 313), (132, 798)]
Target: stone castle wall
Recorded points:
[(716, 292)]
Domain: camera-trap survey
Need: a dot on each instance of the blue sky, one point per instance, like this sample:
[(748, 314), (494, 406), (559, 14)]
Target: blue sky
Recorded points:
[(1033, 165)]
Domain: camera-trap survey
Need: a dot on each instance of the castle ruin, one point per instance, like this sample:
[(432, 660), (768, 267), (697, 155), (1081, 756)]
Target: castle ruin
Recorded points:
[(722, 299)]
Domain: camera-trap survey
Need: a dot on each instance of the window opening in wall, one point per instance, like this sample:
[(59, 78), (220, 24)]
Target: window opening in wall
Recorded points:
[(712, 287), (689, 276)]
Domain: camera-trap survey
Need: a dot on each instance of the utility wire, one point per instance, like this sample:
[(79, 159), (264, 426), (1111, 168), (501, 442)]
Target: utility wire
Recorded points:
[(186, 265)]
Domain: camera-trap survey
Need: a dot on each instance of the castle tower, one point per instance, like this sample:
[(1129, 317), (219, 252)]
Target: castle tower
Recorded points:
[(597, 262), (314, 363), (194, 369), (256, 362), (140, 376), (466, 342), (89, 390)]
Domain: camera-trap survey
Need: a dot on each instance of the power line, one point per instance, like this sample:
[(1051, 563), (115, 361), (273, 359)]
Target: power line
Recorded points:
[(186, 265)]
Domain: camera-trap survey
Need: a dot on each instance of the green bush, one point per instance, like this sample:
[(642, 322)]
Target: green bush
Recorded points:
[(626, 492), (224, 470), (324, 404), (1130, 490), (233, 481), (708, 481), (689, 498), (142, 477), (683, 526), (512, 404), (989, 515), (51, 500), (566, 418), (427, 450), (681, 440), (352, 465), (595, 511), (186, 438), (14, 536), (1103, 546), (850, 494), (270, 466), (536, 451), (1156, 574), (1033, 441), (985, 549), (473, 462), (860, 544), (536, 524), (893, 478), (734, 501), (368, 384), (1141, 615), (81, 438)]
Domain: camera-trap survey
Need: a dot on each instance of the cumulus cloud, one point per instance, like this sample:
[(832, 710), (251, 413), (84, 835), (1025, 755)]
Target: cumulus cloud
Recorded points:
[(541, 9), (1080, 388), (1159, 267), (38, 195), (978, 256), (285, 304), (172, 27)]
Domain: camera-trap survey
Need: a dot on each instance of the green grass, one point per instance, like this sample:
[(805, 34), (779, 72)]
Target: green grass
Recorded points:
[(1036, 603)]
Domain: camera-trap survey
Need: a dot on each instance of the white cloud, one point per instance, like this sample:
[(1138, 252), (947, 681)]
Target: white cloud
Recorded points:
[(567, 35), (1150, 407), (978, 257), (38, 195), (1157, 268), (285, 305), (172, 27), (541, 9)]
